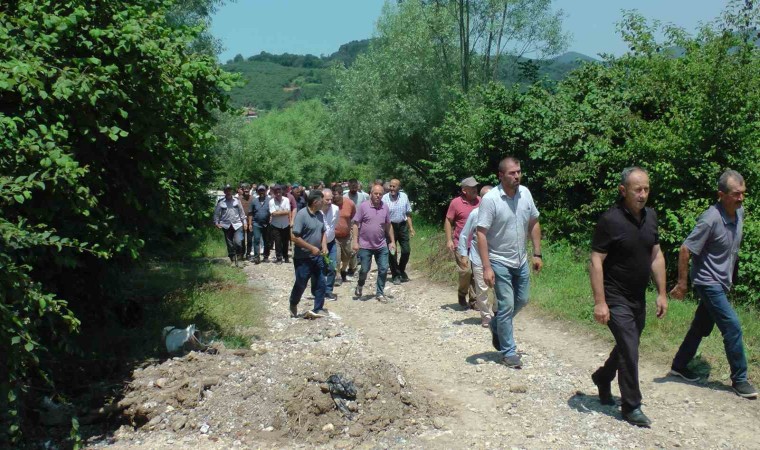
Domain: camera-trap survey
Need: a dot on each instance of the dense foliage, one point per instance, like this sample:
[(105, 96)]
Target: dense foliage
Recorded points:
[(296, 144), (105, 120), (684, 119)]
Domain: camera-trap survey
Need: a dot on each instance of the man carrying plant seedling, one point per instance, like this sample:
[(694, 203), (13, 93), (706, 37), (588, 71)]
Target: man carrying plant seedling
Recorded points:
[(310, 244)]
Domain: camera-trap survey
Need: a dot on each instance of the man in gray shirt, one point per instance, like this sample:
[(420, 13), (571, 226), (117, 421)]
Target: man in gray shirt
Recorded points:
[(310, 244), (507, 218), (230, 218), (714, 243)]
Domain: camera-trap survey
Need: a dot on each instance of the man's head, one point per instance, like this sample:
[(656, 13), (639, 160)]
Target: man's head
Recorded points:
[(510, 173), (376, 195), (484, 190), (314, 200), (277, 192), (634, 188), (227, 191), (246, 190), (469, 188), (731, 190), (337, 191), (261, 190), (353, 185), (394, 186), (327, 197)]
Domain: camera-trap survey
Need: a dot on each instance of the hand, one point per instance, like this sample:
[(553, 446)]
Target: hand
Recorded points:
[(355, 246), (538, 263), (392, 247), (219, 225), (315, 251), (489, 277), (463, 262), (662, 306), (450, 246), (411, 232), (601, 313), (679, 291)]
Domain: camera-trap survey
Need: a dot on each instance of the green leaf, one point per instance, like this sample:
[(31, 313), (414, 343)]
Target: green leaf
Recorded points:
[(15, 340), (19, 198), (29, 346)]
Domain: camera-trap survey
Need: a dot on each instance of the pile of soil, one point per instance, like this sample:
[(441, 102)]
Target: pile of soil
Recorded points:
[(278, 392)]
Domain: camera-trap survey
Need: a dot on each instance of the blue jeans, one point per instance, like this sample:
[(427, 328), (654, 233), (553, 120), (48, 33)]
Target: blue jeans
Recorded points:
[(381, 258), (332, 253), (261, 233), (309, 269), (511, 289), (714, 309)]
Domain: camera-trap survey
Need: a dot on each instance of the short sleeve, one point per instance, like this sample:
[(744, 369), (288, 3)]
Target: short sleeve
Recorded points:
[(486, 213), (272, 208), (298, 224), (700, 234), (451, 212), (602, 240), (358, 216)]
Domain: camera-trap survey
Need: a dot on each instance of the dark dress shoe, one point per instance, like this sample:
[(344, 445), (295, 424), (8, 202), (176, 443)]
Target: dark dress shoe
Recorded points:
[(605, 390), (636, 417)]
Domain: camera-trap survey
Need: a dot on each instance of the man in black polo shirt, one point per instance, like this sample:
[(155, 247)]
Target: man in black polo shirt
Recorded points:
[(625, 250)]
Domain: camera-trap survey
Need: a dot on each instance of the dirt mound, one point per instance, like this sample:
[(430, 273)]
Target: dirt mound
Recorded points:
[(279, 391)]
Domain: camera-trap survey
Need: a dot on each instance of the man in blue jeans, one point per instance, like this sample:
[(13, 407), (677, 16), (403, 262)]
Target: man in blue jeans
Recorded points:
[(309, 246), (714, 247), (506, 219), (371, 225)]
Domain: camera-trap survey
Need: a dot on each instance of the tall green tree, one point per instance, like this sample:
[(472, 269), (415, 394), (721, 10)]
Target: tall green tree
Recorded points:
[(104, 127)]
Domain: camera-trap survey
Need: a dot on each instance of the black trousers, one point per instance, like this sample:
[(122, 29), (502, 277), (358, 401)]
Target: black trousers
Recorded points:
[(280, 239), (626, 324), (403, 249)]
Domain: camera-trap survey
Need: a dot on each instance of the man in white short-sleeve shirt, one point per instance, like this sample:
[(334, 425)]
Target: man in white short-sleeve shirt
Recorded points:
[(506, 219)]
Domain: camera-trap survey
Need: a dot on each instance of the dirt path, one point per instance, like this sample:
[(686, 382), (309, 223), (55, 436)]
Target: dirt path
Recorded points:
[(446, 357)]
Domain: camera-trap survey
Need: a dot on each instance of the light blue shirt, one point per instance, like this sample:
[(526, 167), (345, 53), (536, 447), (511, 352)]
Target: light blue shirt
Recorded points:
[(468, 235), (399, 207), (506, 220)]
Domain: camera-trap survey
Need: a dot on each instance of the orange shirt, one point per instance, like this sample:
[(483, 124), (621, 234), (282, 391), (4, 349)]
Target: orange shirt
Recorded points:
[(347, 211)]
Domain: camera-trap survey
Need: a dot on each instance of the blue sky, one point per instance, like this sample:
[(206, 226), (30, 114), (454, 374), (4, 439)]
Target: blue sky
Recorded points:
[(321, 26)]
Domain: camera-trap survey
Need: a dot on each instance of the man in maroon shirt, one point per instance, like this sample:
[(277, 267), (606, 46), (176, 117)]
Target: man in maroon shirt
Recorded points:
[(456, 216)]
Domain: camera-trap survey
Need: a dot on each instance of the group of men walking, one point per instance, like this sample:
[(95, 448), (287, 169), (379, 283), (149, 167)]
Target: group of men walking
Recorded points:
[(333, 233), (488, 235)]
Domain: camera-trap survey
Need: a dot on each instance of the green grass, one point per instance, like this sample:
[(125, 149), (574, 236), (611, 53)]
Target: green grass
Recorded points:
[(201, 290), (562, 291)]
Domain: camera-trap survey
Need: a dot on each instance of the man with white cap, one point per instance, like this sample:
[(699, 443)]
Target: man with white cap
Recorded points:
[(456, 216)]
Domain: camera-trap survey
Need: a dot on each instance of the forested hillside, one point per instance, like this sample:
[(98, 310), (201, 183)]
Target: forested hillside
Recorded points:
[(276, 81)]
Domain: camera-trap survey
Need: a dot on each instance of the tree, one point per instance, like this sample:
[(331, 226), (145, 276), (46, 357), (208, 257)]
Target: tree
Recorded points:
[(105, 123)]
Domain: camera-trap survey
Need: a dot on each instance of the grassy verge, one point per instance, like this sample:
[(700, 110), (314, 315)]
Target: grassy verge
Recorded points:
[(562, 291)]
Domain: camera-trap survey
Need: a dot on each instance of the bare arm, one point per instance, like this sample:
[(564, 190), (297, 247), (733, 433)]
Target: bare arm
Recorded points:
[(391, 237), (658, 275), (411, 227), (679, 290), (299, 242), (447, 228), (488, 275), (596, 273), (355, 235), (535, 236)]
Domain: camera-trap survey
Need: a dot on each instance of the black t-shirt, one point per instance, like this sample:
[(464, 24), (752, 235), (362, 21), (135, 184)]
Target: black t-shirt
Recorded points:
[(628, 245)]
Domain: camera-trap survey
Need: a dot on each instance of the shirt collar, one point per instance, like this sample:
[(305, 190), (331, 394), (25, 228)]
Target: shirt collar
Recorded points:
[(503, 193), (630, 216), (724, 216)]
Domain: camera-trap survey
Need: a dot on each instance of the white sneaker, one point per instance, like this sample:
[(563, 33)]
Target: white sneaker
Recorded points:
[(313, 315)]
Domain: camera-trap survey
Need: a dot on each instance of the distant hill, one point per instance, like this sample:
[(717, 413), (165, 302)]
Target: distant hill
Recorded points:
[(275, 81)]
